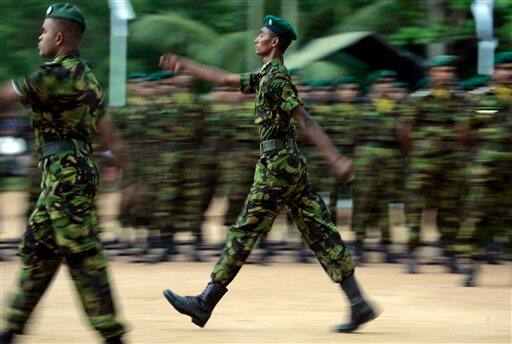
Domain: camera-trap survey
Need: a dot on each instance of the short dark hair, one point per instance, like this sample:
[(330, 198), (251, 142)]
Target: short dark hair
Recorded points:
[(72, 32), (282, 44)]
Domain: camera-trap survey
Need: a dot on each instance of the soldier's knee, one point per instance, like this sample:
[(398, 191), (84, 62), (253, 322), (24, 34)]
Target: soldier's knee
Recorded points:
[(91, 259), (32, 252)]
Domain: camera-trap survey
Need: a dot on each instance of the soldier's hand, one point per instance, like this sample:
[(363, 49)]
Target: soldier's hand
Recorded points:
[(170, 61), (344, 168), (130, 198)]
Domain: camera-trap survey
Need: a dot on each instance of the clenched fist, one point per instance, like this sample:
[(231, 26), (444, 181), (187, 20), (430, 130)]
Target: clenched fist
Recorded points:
[(170, 61), (345, 169)]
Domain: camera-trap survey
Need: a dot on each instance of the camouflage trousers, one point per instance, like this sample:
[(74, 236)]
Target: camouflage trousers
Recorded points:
[(239, 175), (436, 183), (376, 186), (64, 226), (282, 180), (490, 202)]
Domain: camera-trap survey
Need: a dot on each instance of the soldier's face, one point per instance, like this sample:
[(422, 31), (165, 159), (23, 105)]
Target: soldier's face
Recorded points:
[(348, 92), (397, 93), (503, 73), (49, 39), (265, 41), (442, 75)]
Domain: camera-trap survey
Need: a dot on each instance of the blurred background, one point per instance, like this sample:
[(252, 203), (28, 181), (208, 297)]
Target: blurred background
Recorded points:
[(192, 146)]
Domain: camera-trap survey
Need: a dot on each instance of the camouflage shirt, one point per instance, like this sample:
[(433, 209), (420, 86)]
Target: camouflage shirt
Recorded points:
[(493, 119), (434, 115), (65, 97), (276, 97)]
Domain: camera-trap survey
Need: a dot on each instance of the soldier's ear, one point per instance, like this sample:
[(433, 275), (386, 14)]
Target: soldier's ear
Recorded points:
[(59, 38), (275, 41)]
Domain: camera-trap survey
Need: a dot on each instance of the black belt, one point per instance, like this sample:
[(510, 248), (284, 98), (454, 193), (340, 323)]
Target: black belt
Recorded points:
[(495, 147), (277, 144), (51, 148), (246, 144), (380, 144)]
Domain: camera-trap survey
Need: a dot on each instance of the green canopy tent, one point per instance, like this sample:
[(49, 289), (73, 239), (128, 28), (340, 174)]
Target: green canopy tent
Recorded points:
[(359, 50)]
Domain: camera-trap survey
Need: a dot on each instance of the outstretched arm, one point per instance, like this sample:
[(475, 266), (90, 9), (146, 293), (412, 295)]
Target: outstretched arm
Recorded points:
[(314, 132), (206, 73), (8, 95)]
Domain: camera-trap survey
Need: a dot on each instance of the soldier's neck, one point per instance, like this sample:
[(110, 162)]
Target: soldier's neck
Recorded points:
[(71, 51), (271, 56)]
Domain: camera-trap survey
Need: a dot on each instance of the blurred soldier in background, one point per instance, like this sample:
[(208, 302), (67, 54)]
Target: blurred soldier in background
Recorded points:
[(433, 129), (378, 162), (345, 112), (490, 199), (176, 176), (131, 121)]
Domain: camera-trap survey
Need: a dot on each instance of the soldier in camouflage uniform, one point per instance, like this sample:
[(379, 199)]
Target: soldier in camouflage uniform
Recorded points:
[(490, 199), (280, 179), (377, 159), (345, 111), (67, 104), (131, 121), (433, 119), (175, 178)]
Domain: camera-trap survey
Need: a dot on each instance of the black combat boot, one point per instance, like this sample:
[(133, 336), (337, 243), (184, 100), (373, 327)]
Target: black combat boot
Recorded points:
[(471, 273), (451, 261), (167, 239), (6, 337), (361, 311), (196, 250), (200, 307), (390, 256), (412, 263), (114, 340)]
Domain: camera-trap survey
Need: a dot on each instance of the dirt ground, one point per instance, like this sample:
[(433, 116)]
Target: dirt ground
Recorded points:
[(279, 303), (283, 303)]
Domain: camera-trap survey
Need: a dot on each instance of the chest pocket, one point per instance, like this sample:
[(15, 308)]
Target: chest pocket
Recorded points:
[(264, 106)]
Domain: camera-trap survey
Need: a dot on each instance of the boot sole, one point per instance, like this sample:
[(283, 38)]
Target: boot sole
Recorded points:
[(363, 320), (177, 307)]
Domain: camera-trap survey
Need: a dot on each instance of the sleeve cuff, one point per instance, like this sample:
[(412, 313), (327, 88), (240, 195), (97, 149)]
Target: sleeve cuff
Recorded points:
[(289, 104), (245, 83)]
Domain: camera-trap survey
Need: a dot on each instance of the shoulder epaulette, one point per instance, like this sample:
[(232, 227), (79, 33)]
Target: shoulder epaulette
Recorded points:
[(421, 93), (481, 90)]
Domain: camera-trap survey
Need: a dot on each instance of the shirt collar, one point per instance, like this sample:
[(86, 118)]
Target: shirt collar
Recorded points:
[(273, 62), (69, 54)]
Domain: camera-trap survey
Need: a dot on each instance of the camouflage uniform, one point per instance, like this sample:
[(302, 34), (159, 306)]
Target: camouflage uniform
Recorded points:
[(280, 179), (244, 156), (339, 126), (175, 180), (67, 102), (490, 197), (377, 161), (436, 177), (131, 122)]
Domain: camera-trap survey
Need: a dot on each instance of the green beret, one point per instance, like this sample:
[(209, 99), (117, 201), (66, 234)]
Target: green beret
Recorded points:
[(401, 84), (318, 83), (68, 12), (441, 61), (160, 75), (476, 81), (380, 74), (280, 27), (346, 80), (503, 57), (423, 83)]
